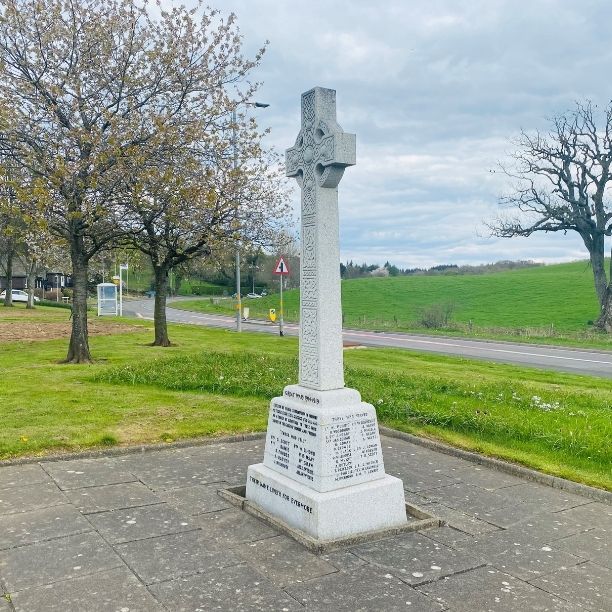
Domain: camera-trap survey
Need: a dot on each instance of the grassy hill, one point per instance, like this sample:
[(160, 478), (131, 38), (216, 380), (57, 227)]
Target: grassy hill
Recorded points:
[(560, 295)]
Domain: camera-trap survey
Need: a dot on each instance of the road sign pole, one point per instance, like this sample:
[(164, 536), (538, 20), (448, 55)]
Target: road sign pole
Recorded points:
[(282, 270), (281, 307)]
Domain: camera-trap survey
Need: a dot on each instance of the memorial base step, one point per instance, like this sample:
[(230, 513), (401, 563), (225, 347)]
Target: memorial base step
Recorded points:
[(374, 506)]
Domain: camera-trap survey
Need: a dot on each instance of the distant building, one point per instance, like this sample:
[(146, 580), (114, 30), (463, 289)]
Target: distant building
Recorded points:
[(48, 280)]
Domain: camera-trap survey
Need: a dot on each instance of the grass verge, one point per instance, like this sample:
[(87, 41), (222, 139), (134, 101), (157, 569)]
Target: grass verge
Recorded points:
[(216, 382)]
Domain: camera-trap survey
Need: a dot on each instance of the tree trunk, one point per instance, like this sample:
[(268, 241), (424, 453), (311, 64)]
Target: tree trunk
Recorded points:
[(78, 350), (8, 296), (603, 285), (159, 316), (31, 284), (596, 254), (604, 322)]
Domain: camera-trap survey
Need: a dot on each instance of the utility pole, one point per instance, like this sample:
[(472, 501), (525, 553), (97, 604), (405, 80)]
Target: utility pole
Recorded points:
[(235, 153)]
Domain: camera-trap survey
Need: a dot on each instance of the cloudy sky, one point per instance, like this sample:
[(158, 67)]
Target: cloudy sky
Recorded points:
[(434, 90)]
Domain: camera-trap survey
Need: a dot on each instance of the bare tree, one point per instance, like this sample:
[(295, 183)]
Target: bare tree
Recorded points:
[(92, 87), (563, 181)]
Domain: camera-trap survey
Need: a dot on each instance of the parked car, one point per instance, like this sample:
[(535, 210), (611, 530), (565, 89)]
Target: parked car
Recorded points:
[(18, 296), (253, 295)]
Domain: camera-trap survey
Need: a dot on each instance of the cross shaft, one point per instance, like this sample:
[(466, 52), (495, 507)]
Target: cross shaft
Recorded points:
[(321, 153)]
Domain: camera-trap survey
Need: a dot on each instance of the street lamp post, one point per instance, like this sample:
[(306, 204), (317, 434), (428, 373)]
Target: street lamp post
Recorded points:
[(235, 152)]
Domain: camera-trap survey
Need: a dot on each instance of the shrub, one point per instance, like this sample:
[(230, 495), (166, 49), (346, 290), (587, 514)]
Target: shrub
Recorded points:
[(436, 316), (54, 304)]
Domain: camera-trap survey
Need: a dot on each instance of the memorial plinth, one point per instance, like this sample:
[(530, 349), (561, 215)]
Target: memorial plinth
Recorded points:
[(323, 471)]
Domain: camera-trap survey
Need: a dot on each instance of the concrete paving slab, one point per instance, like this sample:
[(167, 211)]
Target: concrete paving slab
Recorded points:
[(588, 585), (529, 561), (110, 591), (196, 466), (417, 500), (180, 473), (594, 514), (22, 475), (234, 588), (362, 590), (487, 588), (57, 559), (508, 542), (449, 536), (174, 556), (232, 527), (283, 561), (112, 497), (404, 455), (415, 558), (462, 521), (548, 527), (509, 516), (471, 499), (5, 606), (343, 560), (553, 500), (80, 473), (595, 545), (483, 477), (39, 525), (197, 499), (30, 497), (420, 482), (120, 526)]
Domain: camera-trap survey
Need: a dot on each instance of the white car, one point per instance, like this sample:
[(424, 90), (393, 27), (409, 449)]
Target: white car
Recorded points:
[(18, 296), (253, 295)]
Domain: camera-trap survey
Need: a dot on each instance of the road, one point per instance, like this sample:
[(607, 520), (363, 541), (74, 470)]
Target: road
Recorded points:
[(577, 361)]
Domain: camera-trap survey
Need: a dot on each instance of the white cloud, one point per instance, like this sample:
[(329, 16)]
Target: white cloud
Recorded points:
[(434, 91)]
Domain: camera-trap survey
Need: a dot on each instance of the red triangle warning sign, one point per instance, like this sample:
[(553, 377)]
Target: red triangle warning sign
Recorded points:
[(281, 267)]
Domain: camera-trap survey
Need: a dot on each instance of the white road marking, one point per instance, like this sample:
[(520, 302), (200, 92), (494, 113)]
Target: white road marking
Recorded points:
[(372, 336), (483, 348)]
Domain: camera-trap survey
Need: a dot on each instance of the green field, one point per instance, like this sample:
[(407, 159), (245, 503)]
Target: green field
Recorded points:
[(216, 382), (540, 302)]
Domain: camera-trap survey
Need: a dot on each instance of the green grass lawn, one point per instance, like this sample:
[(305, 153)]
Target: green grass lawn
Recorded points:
[(215, 382), (550, 304)]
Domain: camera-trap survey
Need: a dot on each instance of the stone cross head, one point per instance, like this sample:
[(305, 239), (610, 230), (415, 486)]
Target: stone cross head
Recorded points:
[(322, 150)]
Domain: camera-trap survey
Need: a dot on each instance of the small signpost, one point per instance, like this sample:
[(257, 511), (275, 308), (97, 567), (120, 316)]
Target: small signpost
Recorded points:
[(281, 269)]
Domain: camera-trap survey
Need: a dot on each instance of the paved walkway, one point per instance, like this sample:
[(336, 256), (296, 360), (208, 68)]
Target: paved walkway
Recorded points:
[(148, 532)]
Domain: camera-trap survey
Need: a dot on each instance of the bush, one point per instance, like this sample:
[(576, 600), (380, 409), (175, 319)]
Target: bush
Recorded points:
[(436, 316), (53, 295), (54, 304)]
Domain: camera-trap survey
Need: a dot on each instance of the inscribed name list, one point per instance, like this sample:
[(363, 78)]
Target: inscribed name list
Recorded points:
[(324, 453)]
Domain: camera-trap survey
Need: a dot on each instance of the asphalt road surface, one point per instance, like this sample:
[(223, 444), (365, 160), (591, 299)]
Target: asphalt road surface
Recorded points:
[(577, 361)]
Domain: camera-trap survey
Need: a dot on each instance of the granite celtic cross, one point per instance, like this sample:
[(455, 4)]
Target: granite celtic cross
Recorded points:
[(321, 153), (323, 475)]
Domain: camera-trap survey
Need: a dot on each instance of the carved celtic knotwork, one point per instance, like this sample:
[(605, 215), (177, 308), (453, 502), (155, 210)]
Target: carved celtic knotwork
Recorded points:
[(309, 368), (310, 323), (317, 160), (308, 288), (309, 247)]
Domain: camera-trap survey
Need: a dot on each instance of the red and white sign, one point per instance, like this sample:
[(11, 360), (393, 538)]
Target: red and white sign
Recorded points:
[(281, 267)]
